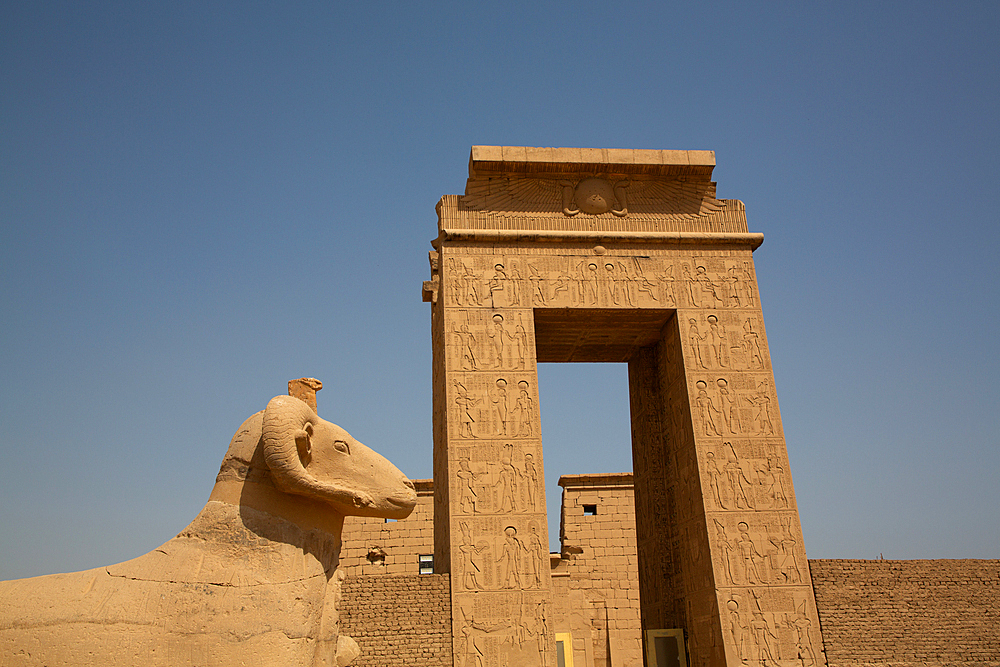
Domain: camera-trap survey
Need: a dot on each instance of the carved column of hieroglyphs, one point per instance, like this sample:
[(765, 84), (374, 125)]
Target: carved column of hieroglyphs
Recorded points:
[(626, 256), (486, 402)]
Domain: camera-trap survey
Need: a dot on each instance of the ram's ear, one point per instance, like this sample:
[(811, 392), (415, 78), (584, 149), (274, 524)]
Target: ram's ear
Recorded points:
[(303, 443)]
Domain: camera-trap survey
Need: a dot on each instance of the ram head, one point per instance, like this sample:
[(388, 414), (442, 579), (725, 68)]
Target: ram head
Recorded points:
[(288, 446)]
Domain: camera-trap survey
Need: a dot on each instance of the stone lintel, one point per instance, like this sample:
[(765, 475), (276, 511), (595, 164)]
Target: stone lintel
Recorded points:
[(614, 479), (754, 240), (525, 161), (423, 486)]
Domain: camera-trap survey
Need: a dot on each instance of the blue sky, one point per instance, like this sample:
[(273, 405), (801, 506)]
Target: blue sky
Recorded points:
[(200, 201)]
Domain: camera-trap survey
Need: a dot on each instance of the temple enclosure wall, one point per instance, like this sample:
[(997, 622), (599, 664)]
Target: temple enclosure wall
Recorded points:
[(873, 612), (909, 612)]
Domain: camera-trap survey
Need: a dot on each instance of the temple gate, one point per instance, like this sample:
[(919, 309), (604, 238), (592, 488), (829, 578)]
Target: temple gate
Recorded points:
[(594, 255)]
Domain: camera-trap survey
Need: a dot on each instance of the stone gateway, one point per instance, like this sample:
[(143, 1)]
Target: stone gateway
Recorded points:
[(592, 255)]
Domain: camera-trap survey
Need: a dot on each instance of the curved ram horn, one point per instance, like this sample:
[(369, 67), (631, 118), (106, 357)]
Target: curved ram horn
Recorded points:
[(286, 419)]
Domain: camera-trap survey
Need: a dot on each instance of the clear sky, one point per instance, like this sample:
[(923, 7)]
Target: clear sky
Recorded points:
[(200, 201)]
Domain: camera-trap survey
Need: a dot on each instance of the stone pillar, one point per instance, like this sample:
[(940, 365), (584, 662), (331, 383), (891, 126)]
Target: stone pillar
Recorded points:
[(490, 525), (617, 256)]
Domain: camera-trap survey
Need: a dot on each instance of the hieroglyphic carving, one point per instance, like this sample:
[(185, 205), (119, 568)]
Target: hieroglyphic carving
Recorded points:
[(466, 406), (734, 404), (508, 482), (498, 397), (464, 284), (497, 477), (487, 406), (473, 569), (523, 413), (770, 628), (745, 475), (725, 340), (759, 551), (510, 559), (500, 552), (531, 481), (488, 340), (722, 520), (706, 409)]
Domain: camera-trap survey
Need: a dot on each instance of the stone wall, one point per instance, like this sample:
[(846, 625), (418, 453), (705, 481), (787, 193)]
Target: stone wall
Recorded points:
[(872, 612), (373, 546), (596, 579), (398, 619), (908, 613)]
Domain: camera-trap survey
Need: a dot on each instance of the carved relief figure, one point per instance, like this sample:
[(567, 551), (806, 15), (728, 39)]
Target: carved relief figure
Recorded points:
[(695, 338), (714, 477), (537, 285), (733, 289), (524, 408), (728, 547), (667, 282), (470, 568), (562, 285), (690, 286), (467, 289), (751, 346), (737, 628), (542, 628), (592, 282), (624, 283), (497, 333), (717, 341), (455, 288), (611, 282), (803, 636), (256, 566), (465, 404), (748, 283), (730, 416), (762, 635), (706, 409), (498, 396), (520, 339), (788, 567), (771, 483), (531, 480), (709, 290), (507, 483), (468, 347), (761, 401), (514, 286), (738, 481), (748, 554), (498, 283), (643, 284), (467, 493), (537, 556), (510, 557)]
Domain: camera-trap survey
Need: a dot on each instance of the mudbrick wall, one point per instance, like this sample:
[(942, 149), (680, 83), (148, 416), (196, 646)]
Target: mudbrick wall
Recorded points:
[(909, 612), (398, 619)]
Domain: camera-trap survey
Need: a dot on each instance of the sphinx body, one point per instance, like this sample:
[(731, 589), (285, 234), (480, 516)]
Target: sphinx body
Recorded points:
[(252, 580)]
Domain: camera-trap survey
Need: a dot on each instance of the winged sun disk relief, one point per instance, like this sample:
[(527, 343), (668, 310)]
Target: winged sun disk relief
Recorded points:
[(676, 198)]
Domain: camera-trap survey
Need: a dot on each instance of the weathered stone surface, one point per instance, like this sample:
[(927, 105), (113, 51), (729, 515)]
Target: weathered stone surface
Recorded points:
[(398, 619), (252, 580), (601, 255), (909, 613), (930, 613)]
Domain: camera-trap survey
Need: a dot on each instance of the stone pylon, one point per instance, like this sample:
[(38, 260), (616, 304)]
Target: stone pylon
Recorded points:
[(599, 255)]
